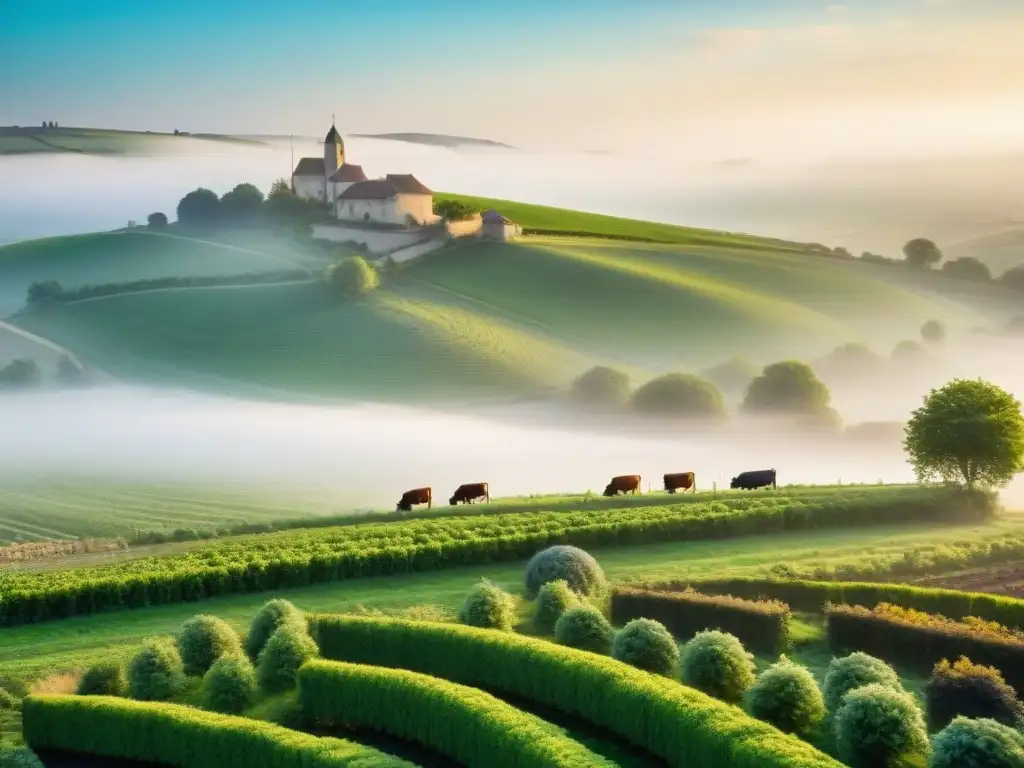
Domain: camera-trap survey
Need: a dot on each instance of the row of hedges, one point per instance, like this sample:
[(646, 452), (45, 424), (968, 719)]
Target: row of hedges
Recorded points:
[(763, 626), (301, 558), (921, 640), (465, 724), (681, 725), (183, 737), (812, 596)]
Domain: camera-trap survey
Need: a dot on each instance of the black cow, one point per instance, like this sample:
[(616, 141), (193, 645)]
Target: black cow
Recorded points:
[(758, 478)]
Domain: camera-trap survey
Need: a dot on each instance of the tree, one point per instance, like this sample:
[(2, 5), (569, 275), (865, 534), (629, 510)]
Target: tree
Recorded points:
[(601, 386), (278, 188), (680, 394), (199, 208), (934, 332), (853, 359), (20, 374), (789, 387), (921, 252), (907, 351), (733, 376), (969, 431), (454, 210), (242, 204), (968, 268), (157, 220), (1013, 278), (44, 289), (353, 276)]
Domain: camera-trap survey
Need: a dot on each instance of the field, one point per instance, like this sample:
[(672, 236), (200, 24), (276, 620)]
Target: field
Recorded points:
[(94, 141)]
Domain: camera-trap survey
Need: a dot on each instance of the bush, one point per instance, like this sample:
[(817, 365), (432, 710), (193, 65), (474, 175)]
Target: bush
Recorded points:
[(585, 628), (156, 672), (44, 289), (230, 684), (287, 649), (933, 332), (787, 696), (646, 644), (488, 607), (20, 374), (718, 664), (680, 394), (273, 614), (980, 743), (19, 757), (601, 386), (203, 640), (968, 268), (157, 220), (353, 276), (970, 690), (9, 701), (553, 599), (854, 671), (454, 210), (106, 678), (878, 726), (921, 252), (762, 626), (571, 564)]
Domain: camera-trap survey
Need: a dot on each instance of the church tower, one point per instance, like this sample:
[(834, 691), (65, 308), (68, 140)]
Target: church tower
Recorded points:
[(334, 151)]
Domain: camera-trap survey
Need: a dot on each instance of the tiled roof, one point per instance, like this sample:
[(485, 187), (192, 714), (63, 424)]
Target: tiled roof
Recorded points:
[(309, 166), (349, 172), (374, 189), (407, 184)]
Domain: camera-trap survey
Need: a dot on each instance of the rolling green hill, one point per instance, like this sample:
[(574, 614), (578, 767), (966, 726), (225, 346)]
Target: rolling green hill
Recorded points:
[(100, 141)]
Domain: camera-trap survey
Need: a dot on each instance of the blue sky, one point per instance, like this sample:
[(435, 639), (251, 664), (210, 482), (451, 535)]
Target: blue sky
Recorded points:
[(515, 69)]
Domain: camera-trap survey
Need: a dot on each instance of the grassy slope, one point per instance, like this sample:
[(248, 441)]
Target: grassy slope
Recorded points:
[(33, 650), (104, 142)]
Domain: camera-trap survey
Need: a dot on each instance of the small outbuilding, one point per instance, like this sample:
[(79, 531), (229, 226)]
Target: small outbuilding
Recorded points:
[(497, 227)]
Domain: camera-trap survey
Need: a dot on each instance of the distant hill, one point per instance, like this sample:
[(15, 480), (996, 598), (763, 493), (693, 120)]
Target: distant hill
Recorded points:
[(1001, 250), (22, 140), (436, 139)]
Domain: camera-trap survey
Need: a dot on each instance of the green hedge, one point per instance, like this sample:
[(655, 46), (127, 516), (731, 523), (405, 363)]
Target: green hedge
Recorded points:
[(811, 596), (852, 628), (300, 558), (183, 737), (760, 626), (465, 724), (678, 724)]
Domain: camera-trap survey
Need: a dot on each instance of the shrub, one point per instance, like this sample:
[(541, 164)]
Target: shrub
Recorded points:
[(601, 386), (570, 564), (203, 640), (20, 374), (454, 210), (787, 696), (19, 757), (968, 268), (553, 599), (488, 607), (718, 664), (157, 220), (353, 276), (854, 671), (762, 626), (156, 672), (980, 743), (287, 649), (273, 614), (106, 678), (9, 701), (680, 394), (971, 690), (585, 628), (230, 684), (646, 644), (878, 726)]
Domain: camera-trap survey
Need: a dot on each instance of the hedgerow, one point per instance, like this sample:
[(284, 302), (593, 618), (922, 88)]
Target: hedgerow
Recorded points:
[(921, 640), (68, 295), (678, 724), (971, 690), (761, 626), (466, 724), (183, 737), (301, 558), (811, 596)]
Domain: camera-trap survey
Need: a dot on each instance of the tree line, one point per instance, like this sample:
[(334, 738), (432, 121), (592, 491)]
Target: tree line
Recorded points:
[(245, 205)]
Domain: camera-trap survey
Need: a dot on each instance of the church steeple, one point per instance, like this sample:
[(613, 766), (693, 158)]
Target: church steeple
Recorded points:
[(334, 150)]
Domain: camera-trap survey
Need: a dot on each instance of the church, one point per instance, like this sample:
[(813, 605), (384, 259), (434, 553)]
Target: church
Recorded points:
[(395, 199)]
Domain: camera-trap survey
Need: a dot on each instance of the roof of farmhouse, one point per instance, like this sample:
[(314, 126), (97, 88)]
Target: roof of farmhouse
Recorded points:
[(383, 189), (349, 172), (310, 166)]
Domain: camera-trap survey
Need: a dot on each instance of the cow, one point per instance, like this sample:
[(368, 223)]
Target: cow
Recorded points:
[(469, 492), (676, 480), (758, 478), (623, 484), (415, 496)]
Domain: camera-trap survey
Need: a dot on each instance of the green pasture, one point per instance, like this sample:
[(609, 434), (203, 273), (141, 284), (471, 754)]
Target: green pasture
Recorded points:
[(98, 141)]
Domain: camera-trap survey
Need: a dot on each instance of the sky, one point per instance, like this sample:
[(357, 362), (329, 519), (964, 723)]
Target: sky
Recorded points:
[(910, 75)]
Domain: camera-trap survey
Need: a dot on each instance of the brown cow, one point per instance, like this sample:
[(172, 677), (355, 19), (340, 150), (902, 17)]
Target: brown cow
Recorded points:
[(470, 492), (623, 484), (676, 480), (415, 496)]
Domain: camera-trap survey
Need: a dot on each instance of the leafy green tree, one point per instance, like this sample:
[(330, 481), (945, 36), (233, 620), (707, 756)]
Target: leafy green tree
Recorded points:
[(454, 210), (44, 289), (969, 431), (353, 276), (968, 268), (199, 208), (241, 205), (601, 385), (934, 332), (788, 387), (921, 252), (1013, 278), (680, 394), (157, 220)]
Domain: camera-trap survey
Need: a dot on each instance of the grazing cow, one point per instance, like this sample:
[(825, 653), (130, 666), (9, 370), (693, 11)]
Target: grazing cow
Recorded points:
[(676, 480), (623, 484), (415, 496), (758, 478), (470, 492)]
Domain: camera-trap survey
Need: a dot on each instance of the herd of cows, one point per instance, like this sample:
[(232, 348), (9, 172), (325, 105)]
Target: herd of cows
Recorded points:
[(469, 493)]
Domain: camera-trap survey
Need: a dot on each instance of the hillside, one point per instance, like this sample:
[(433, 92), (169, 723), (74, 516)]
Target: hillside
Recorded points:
[(1001, 250), (436, 140), (476, 320), (19, 140)]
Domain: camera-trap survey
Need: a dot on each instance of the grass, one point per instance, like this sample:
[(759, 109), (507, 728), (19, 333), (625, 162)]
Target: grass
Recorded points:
[(97, 141)]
